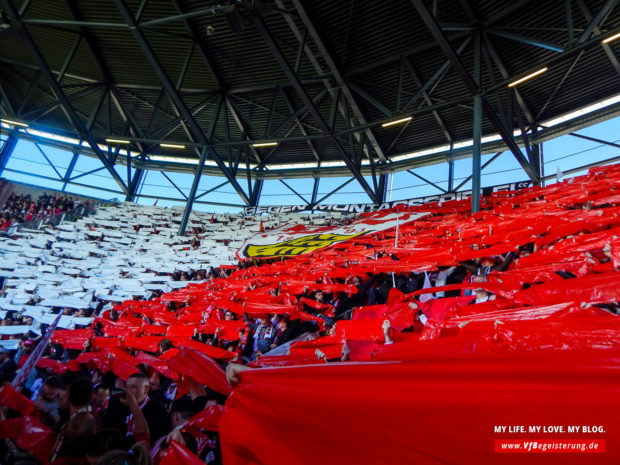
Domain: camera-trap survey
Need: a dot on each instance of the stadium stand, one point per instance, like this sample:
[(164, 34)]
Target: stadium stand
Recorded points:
[(528, 285), (122, 252)]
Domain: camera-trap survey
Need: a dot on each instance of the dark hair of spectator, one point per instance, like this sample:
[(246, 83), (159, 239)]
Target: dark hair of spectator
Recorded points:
[(80, 392)]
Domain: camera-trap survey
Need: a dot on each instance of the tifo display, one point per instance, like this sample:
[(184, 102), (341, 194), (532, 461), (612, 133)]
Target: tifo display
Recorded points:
[(415, 334)]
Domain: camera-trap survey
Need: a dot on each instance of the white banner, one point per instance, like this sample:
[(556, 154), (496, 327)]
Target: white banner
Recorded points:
[(290, 240), (370, 207)]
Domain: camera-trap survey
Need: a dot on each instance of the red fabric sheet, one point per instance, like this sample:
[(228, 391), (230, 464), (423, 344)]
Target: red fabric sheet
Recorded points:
[(442, 411), (200, 367)]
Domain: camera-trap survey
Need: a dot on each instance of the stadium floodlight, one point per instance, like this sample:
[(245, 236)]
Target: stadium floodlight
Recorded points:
[(398, 121), (528, 77), (264, 144), (117, 141), (14, 123), (172, 146), (611, 38)]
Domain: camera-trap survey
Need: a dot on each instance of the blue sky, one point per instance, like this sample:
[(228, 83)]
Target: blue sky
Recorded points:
[(565, 152)]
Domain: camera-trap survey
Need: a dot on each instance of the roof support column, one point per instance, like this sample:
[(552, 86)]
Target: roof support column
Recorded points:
[(67, 176), (382, 188), (315, 191), (133, 185), (192, 192), (256, 191), (477, 131), (7, 150), (535, 154)]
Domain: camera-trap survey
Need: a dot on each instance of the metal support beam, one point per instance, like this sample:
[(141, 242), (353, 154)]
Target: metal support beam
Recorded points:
[(174, 184), (7, 150), (236, 114), (294, 191), (333, 192), (542, 164), (70, 112), (559, 84), (594, 139), (134, 127), (49, 162), (422, 178), (526, 40), (138, 176), (40, 112), (69, 58), (569, 21), (435, 77), (73, 178), (168, 128), (5, 102), (176, 98), (208, 191), (607, 161), (192, 192), (534, 153), (488, 46), (472, 86), (450, 175), (374, 102), (487, 163), (315, 191), (31, 86), (477, 128), (505, 11), (428, 100), (597, 20), (256, 191), (306, 100), (301, 126), (67, 175), (382, 188), (208, 62), (606, 47), (335, 71)]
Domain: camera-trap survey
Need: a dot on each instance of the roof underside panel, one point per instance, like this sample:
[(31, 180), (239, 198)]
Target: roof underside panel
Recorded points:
[(340, 70)]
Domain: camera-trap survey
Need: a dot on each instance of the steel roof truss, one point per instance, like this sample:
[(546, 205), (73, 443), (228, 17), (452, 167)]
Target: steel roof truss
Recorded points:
[(70, 112), (177, 100), (301, 91), (335, 71), (471, 85)]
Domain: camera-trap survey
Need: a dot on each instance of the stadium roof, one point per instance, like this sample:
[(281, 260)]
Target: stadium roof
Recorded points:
[(315, 81)]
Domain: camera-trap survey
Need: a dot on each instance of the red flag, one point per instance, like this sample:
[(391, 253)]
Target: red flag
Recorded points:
[(177, 454), (9, 397), (201, 367), (31, 435), (208, 418)]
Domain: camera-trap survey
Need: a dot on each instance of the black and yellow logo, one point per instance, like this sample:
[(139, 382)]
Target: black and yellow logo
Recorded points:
[(298, 246)]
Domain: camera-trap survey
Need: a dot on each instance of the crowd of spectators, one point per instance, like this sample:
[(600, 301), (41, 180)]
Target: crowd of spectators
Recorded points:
[(99, 416), (21, 208), (142, 399)]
